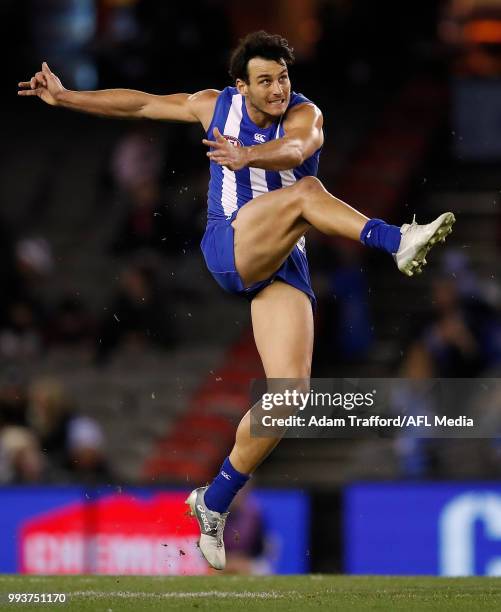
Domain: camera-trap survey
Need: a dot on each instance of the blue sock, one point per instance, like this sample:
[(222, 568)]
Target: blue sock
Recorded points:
[(380, 235), (224, 487)]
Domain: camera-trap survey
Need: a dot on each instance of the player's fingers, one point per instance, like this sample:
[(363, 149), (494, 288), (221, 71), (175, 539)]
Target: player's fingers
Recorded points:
[(217, 135), (24, 84), (36, 81), (46, 68), (28, 92), (217, 146), (217, 153), (222, 161), (209, 143), (40, 77)]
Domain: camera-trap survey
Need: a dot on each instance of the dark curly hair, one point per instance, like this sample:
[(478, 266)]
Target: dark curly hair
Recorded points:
[(259, 44)]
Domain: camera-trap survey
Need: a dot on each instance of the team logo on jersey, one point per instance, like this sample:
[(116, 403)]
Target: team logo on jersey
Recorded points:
[(234, 141), (259, 137)]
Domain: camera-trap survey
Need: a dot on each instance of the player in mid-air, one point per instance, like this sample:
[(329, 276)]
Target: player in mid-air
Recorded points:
[(263, 143)]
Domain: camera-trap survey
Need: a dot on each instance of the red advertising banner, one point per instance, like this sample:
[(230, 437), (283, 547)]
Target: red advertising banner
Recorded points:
[(120, 534)]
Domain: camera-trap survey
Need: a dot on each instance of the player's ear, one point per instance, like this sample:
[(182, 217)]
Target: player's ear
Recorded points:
[(241, 87)]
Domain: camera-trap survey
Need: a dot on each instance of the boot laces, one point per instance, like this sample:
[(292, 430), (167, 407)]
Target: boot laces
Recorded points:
[(411, 227)]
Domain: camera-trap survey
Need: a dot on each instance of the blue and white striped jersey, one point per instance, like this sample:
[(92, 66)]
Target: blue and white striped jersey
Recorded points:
[(229, 190)]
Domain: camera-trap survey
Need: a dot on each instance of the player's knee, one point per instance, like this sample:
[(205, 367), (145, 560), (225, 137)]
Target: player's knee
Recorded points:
[(309, 185), (302, 191)]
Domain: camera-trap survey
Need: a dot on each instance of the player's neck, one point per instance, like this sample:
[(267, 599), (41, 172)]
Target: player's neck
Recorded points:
[(262, 120)]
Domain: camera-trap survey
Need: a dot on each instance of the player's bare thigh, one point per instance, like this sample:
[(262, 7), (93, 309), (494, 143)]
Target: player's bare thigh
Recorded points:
[(267, 229)]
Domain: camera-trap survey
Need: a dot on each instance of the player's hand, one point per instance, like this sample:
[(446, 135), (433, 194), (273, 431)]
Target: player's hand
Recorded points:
[(45, 84), (224, 153)]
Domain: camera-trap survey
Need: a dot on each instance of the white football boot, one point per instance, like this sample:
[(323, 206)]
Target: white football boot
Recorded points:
[(211, 525), (418, 239)]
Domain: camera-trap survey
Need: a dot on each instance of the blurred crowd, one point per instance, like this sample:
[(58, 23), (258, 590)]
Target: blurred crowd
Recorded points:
[(43, 438), (33, 322), (472, 30), (459, 338)]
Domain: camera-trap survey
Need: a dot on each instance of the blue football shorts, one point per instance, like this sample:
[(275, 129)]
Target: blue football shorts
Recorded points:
[(218, 250)]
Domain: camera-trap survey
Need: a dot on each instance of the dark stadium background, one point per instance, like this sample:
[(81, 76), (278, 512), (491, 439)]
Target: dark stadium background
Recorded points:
[(102, 388)]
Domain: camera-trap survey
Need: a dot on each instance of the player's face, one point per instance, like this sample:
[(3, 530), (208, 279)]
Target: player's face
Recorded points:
[(269, 88)]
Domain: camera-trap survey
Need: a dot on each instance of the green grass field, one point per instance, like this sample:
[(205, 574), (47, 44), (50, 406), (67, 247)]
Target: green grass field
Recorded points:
[(290, 593)]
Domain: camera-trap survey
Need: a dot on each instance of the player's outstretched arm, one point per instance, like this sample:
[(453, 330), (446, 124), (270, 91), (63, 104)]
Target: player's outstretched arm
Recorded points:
[(121, 103), (303, 135)]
